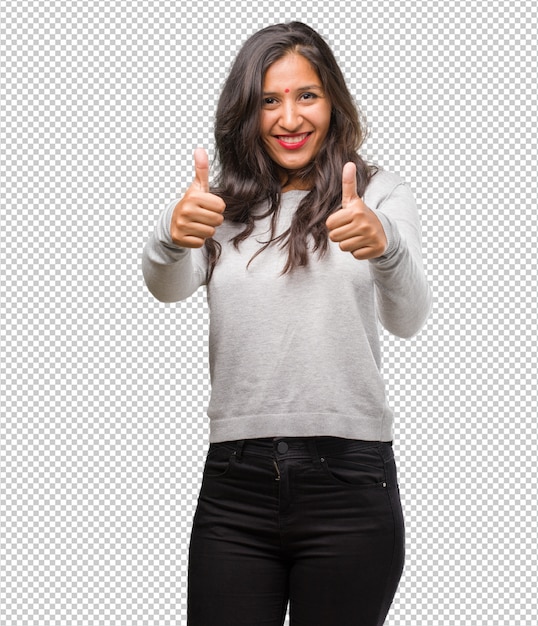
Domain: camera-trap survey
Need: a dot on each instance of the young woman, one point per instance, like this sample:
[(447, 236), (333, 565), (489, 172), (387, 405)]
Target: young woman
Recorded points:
[(302, 247)]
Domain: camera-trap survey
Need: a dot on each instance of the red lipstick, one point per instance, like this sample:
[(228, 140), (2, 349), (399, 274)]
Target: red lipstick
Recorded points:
[(290, 142)]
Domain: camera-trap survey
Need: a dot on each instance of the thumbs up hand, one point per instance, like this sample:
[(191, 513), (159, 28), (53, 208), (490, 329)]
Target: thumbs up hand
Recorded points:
[(356, 227), (198, 214)]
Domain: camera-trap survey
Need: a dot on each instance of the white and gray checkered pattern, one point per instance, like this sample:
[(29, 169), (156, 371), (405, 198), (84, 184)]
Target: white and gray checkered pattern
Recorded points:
[(103, 390)]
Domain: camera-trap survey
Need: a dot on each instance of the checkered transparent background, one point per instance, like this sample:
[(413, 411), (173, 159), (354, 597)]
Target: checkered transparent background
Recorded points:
[(103, 390)]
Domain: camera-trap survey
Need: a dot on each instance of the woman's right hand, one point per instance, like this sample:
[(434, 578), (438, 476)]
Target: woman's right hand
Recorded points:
[(198, 214)]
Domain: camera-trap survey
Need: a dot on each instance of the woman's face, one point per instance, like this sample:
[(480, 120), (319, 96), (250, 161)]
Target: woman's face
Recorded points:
[(296, 113)]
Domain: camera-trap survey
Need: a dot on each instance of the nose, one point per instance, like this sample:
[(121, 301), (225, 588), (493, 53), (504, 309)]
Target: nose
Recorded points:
[(290, 118)]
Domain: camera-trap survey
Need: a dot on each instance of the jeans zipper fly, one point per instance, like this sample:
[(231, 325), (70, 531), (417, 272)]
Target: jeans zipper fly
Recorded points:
[(277, 470)]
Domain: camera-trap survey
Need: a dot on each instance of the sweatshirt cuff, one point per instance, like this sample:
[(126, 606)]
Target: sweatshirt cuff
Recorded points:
[(392, 234)]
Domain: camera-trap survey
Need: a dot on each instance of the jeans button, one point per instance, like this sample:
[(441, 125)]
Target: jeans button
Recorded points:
[(282, 447)]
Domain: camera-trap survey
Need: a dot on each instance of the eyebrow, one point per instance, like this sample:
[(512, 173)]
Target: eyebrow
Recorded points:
[(306, 88)]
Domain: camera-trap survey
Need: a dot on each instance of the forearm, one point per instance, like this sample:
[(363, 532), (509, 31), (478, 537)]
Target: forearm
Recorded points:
[(171, 273), (403, 296)]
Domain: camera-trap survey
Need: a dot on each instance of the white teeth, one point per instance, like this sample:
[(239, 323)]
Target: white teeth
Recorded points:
[(295, 139)]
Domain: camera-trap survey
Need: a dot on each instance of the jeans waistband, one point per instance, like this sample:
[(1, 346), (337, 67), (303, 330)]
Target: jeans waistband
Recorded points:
[(298, 447)]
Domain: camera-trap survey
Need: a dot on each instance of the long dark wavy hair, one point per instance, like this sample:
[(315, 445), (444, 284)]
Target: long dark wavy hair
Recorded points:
[(247, 176)]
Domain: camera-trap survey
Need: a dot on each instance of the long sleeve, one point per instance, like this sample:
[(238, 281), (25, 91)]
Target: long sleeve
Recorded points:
[(403, 296), (171, 273)]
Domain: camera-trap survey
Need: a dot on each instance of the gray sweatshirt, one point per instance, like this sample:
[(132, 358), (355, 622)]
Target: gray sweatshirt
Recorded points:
[(299, 355)]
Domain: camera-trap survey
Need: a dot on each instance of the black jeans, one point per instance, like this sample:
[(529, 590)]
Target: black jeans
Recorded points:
[(316, 521)]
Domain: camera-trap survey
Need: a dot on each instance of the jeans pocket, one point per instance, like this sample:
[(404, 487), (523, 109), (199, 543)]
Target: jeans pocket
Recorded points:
[(218, 461), (359, 468)]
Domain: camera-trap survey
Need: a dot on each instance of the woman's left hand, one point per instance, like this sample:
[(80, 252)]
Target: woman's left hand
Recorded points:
[(356, 227)]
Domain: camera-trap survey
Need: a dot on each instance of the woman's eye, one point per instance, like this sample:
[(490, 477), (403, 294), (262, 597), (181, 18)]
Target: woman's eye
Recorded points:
[(269, 101), (309, 96)]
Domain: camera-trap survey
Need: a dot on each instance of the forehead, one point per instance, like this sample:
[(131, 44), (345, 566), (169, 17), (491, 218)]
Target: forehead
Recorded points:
[(291, 69)]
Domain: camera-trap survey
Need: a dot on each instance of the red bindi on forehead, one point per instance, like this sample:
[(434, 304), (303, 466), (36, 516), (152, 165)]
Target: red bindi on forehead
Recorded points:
[(286, 90)]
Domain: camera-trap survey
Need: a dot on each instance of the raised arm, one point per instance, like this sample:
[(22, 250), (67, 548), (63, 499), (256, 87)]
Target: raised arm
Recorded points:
[(384, 229), (173, 262)]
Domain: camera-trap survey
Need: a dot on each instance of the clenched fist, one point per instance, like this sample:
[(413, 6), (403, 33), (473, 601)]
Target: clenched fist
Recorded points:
[(198, 214), (356, 227)]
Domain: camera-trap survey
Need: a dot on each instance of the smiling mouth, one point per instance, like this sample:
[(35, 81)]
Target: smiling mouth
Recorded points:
[(293, 142)]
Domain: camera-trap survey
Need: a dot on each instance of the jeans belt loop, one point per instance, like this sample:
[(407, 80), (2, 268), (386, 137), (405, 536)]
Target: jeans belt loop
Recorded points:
[(313, 449), (239, 449)]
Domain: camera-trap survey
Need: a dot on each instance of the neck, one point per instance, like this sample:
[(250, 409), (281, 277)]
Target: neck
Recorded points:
[(291, 187), (291, 182)]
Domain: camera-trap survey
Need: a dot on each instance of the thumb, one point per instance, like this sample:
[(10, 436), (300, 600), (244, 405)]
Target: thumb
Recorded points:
[(201, 169), (349, 183)]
